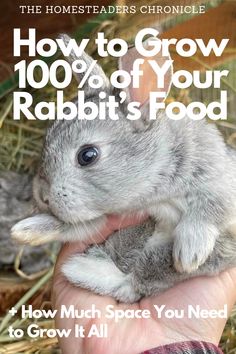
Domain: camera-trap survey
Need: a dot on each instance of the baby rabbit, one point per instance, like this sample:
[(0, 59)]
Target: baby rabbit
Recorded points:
[(179, 172)]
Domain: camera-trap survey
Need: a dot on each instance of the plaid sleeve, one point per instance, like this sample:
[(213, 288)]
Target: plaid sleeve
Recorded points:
[(192, 347)]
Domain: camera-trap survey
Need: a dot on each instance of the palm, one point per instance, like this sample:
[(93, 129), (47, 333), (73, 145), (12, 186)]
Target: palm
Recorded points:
[(136, 335), (130, 336)]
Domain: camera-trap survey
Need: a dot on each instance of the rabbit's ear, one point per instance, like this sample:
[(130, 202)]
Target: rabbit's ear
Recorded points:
[(149, 81), (87, 64)]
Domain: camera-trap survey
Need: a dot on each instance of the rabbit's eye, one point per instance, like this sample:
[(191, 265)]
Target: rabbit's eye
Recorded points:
[(87, 155)]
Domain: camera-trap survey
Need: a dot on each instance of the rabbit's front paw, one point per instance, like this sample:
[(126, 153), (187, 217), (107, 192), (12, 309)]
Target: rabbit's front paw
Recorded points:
[(100, 275), (36, 230), (192, 247)]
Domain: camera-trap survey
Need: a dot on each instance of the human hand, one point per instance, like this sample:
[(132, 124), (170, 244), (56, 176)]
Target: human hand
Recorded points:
[(132, 336)]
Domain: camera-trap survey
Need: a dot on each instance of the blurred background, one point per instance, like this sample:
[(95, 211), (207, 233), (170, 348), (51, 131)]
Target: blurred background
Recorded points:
[(25, 272)]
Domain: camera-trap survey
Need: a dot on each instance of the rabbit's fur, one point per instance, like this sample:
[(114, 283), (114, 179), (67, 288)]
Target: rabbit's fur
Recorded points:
[(16, 203), (179, 172)]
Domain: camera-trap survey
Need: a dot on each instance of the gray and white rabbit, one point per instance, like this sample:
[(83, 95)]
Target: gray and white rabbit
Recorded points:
[(179, 172)]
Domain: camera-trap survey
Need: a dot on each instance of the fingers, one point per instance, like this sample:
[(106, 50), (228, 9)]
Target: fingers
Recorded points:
[(67, 250), (117, 222), (114, 222)]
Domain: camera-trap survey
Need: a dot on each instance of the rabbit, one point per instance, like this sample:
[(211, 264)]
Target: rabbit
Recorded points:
[(16, 203), (180, 173)]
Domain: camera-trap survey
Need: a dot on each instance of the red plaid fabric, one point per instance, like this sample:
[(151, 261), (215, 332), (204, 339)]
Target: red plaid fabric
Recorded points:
[(186, 348)]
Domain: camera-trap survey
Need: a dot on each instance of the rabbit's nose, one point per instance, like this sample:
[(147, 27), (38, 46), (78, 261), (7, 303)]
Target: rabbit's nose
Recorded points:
[(44, 188), (44, 197), (42, 175), (45, 200)]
